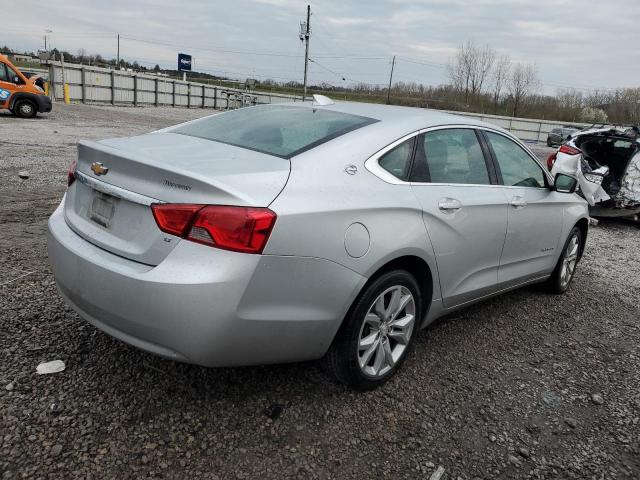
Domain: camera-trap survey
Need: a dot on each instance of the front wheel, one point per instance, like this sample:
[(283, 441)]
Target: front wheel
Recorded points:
[(25, 109), (377, 333), (566, 267)]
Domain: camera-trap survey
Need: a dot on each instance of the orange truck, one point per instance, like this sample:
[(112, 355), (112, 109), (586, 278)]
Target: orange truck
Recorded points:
[(20, 94)]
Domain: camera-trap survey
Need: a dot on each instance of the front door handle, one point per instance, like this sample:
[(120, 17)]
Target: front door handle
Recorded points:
[(518, 202), (449, 205)]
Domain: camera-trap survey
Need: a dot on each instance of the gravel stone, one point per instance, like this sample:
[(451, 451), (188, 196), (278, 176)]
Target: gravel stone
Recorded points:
[(597, 399), (513, 460), (56, 450), (472, 391)]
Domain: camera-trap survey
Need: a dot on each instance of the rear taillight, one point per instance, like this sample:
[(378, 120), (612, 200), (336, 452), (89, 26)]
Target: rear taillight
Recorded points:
[(240, 229), (551, 159), (569, 150), (71, 174), (175, 218)]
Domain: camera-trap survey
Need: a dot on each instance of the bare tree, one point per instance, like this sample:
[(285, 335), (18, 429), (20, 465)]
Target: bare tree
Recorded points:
[(470, 68), (501, 72), (82, 54), (522, 82)]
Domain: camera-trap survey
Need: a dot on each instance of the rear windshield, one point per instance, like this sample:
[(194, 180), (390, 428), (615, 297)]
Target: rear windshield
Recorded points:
[(283, 131)]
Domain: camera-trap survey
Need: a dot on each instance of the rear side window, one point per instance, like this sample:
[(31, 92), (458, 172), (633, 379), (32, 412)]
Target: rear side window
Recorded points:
[(452, 156), (283, 131), (398, 160), (517, 167)]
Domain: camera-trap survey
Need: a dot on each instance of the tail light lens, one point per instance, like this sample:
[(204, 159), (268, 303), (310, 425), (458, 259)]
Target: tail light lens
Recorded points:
[(569, 150), (71, 174), (240, 229), (551, 159)]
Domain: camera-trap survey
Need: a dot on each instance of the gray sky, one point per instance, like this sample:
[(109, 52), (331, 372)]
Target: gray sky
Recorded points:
[(580, 43)]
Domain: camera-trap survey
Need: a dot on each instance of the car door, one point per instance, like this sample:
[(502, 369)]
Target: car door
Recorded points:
[(7, 87), (464, 212), (535, 212)]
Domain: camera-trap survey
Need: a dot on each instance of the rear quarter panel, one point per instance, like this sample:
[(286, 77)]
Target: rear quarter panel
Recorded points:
[(321, 201)]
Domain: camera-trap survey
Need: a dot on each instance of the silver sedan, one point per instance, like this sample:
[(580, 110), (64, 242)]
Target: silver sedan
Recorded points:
[(296, 232)]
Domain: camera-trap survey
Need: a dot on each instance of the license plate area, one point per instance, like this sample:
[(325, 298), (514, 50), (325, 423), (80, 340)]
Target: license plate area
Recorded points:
[(102, 208)]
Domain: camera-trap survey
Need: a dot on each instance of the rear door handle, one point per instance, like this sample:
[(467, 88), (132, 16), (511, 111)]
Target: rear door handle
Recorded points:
[(518, 202), (449, 205)]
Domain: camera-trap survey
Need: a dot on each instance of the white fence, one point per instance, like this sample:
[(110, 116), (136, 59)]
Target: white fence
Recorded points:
[(101, 85), (527, 129)]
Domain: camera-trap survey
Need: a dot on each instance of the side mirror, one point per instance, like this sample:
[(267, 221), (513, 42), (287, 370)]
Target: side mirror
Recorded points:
[(565, 183), (16, 80)]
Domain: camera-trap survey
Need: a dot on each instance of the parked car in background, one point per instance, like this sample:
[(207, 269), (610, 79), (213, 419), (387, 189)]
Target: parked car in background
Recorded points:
[(19, 94), (606, 162), (283, 233), (559, 135)]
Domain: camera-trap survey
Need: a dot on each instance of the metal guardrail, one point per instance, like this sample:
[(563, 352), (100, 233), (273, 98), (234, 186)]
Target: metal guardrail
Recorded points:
[(80, 83)]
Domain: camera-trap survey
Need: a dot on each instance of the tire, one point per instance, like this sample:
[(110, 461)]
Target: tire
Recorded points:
[(374, 340), (563, 274), (549, 143), (25, 109)]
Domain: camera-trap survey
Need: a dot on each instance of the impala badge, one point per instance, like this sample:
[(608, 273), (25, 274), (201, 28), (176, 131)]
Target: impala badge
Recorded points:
[(98, 168)]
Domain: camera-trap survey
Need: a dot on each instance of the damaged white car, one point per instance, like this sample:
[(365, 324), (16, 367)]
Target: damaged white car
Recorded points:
[(606, 162)]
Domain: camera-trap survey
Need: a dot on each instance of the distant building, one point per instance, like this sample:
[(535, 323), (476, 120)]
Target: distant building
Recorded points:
[(25, 58)]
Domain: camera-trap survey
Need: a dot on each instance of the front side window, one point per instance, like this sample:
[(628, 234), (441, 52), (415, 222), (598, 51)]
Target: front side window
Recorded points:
[(398, 160), (283, 131), (11, 73), (453, 156), (517, 167), (4, 77)]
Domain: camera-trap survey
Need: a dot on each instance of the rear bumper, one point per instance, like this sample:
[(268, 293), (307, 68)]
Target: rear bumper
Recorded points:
[(203, 305)]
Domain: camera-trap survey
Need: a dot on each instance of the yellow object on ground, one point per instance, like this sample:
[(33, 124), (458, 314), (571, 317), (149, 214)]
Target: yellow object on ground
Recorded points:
[(67, 98)]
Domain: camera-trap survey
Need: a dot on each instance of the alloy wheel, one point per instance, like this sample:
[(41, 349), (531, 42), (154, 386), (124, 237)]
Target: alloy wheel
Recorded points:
[(569, 261), (386, 331), (26, 109)]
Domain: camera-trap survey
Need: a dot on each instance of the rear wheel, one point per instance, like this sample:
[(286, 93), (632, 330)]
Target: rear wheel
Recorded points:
[(377, 333), (549, 144), (25, 109), (566, 267)]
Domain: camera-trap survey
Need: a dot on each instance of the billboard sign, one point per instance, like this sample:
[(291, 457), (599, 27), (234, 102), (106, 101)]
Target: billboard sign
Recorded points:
[(184, 62)]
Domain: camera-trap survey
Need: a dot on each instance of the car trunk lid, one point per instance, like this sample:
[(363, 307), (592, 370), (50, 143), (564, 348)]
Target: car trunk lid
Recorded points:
[(118, 180)]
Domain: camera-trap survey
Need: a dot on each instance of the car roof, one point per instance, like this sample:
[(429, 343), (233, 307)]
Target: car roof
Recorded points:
[(420, 117), (393, 122)]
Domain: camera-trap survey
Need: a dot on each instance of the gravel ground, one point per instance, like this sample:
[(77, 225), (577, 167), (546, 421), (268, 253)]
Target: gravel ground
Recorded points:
[(526, 385)]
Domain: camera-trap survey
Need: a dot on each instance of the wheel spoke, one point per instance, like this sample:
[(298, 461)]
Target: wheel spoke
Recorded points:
[(394, 303), (404, 301), (366, 356), (367, 341), (401, 329), (378, 307), (378, 362), (373, 320), (388, 355)]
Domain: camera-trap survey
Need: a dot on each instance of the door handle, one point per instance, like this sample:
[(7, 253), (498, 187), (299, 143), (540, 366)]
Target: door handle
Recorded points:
[(449, 205), (518, 202)]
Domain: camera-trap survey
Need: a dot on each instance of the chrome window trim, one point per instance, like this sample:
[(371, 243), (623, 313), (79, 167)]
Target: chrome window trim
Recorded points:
[(115, 191), (372, 165)]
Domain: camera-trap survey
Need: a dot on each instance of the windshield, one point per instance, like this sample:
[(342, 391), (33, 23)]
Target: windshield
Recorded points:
[(283, 131)]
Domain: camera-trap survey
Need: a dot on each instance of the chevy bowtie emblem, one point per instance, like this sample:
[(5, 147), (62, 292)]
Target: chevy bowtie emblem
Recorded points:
[(98, 168)]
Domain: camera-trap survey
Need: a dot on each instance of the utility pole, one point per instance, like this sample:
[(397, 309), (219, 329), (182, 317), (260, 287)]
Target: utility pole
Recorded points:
[(305, 33), (46, 32), (118, 61), (393, 63)]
